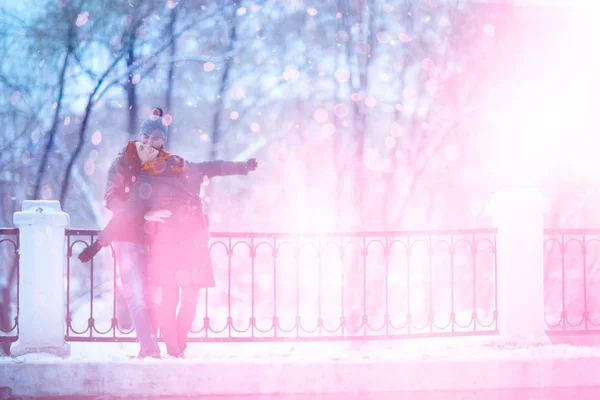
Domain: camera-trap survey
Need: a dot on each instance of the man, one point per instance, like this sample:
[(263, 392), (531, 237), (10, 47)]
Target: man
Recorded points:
[(132, 252)]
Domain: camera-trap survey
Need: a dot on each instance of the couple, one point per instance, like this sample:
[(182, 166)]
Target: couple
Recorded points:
[(160, 235)]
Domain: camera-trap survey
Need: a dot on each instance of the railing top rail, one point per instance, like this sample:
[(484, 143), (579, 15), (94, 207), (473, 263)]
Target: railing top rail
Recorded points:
[(572, 231), (324, 234)]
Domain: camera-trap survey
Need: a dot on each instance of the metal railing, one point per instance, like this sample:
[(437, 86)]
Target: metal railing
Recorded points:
[(312, 287), (572, 281), (9, 285)]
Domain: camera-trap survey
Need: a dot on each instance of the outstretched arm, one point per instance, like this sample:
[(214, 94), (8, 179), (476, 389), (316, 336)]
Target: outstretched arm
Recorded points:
[(220, 168)]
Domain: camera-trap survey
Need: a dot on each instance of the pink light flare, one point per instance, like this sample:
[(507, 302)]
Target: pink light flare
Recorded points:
[(82, 19), (383, 37), (404, 38), (208, 66), (535, 134), (427, 64), (328, 130), (489, 30), (370, 101), (342, 75), (541, 113), (167, 120), (290, 74), (321, 115), (396, 130), (96, 138), (89, 167), (340, 110)]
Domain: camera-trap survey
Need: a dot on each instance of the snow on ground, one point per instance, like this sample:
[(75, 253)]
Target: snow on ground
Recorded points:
[(401, 350)]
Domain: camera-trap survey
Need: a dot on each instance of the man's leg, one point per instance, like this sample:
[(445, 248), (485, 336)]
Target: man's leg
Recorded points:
[(132, 261), (153, 295), (186, 315), (168, 321)]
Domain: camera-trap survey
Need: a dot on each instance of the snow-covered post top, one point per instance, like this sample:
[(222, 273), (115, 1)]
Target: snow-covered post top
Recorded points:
[(41, 287), (518, 215)]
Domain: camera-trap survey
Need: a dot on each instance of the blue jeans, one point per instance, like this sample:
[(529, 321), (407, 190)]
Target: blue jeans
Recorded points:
[(140, 294)]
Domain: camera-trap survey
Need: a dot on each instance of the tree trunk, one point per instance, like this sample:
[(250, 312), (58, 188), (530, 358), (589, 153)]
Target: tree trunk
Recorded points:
[(172, 52), (358, 65), (216, 125), (130, 88), (337, 137), (52, 132), (67, 177)]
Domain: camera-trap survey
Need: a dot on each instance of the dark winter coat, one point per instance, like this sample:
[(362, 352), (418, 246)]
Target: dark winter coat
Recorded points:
[(121, 176), (179, 247)]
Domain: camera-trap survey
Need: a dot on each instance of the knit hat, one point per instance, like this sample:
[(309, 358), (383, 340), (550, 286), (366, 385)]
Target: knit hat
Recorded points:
[(155, 125)]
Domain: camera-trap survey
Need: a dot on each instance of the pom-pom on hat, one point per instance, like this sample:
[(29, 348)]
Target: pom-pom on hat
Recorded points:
[(155, 125)]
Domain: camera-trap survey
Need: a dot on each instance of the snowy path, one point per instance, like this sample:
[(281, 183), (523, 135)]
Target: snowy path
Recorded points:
[(457, 367)]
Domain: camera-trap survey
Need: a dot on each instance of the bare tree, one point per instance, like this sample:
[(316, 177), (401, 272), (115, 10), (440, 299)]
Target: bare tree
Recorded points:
[(67, 17)]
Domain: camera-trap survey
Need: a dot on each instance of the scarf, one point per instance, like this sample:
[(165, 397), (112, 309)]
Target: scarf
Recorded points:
[(165, 164)]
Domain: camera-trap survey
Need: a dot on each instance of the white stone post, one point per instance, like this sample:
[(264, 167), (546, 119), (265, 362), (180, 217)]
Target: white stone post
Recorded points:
[(42, 294), (518, 216)]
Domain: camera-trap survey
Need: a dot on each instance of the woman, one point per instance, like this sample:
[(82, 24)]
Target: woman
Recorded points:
[(180, 257)]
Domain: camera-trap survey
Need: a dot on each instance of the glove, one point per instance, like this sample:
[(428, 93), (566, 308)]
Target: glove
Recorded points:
[(251, 164), (89, 252)]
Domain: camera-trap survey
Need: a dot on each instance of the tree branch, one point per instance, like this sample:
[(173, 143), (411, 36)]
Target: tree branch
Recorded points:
[(92, 99), (88, 110)]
